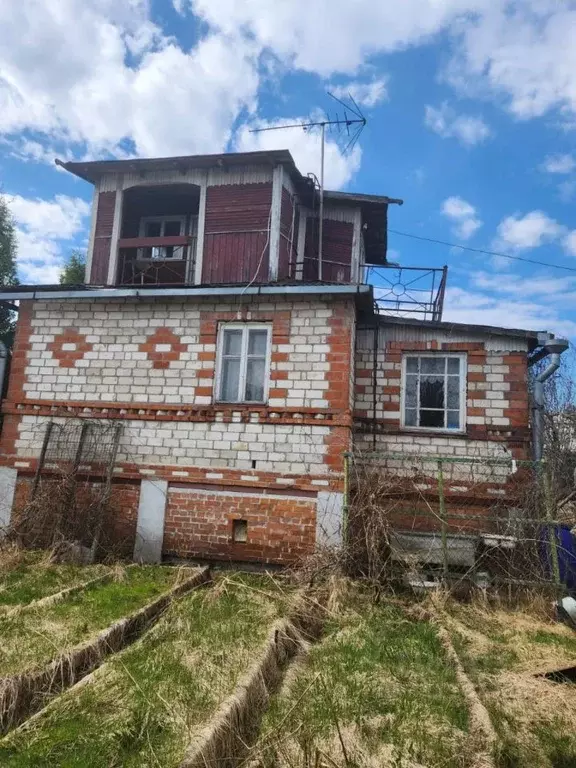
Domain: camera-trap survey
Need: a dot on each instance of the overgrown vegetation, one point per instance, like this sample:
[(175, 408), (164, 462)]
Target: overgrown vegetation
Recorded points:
[(503, 651), (28, 575), (32, 638), (378, 690), (8, 274), (147, 703)]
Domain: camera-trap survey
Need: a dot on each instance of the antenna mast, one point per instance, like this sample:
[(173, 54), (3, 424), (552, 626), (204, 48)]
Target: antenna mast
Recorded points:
[(352, 116)]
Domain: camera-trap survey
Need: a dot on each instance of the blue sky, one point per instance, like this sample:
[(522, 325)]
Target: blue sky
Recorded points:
[(471, 108)]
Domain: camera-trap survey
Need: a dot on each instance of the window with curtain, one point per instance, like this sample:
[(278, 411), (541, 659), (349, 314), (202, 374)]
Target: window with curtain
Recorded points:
[(243, 363), (434, 392)]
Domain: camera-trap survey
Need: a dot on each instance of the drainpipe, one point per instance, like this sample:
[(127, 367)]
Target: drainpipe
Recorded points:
[(553, 348), (3, 364)]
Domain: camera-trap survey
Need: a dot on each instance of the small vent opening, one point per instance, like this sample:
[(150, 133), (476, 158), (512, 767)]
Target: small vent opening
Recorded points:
[(239, 531)]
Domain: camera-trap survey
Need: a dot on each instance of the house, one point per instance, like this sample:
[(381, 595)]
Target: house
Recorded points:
[(242, 361)]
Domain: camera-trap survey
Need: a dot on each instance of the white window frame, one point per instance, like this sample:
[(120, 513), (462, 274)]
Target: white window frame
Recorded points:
[(245, 328), (462, 391), (163, 219)]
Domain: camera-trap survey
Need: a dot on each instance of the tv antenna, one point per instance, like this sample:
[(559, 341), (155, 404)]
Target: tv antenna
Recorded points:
[(351, 121)]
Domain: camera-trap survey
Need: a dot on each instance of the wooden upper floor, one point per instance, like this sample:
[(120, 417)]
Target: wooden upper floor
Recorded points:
[(238, 218)]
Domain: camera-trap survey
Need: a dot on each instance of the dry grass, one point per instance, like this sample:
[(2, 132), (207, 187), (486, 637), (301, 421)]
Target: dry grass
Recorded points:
[(147, 703), (30, 639), (377, 691), (29, 575), (503, 651)]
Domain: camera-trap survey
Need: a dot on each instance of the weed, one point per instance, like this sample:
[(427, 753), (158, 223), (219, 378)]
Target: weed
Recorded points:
[(145, 705), (32, 638), (377, 690)]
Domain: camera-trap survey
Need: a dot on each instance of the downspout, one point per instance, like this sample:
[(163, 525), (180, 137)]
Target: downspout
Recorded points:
[(3, 365), (553, 348)]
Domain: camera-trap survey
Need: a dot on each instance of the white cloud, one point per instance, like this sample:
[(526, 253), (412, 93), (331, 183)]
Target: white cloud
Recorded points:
[(446, 122), (117, 76), (523, 51), (330, 36), (535, 286), (366, 94), (559, 164), (62, 217), (462, 216), (518, 233), (305, 148), (465, 306), (42, 229), (570, 243)]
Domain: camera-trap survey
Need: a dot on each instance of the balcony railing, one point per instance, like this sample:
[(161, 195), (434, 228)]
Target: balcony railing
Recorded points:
[(156, 260), (408, 291)]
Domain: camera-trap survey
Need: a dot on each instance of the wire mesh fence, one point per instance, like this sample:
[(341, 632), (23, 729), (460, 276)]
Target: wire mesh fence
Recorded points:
[(69, 500), (423, 519)]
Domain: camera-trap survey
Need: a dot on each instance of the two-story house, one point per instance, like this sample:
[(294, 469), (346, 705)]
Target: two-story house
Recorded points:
[(242, 360)]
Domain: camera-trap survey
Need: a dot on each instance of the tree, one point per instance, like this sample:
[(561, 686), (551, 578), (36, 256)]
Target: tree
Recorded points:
[(73, 271), (8, 274)]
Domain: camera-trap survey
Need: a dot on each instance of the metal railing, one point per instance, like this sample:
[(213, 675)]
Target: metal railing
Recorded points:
[(408, 291)]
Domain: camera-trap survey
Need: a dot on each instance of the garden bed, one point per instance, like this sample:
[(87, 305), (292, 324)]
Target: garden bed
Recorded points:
[(30, 639), (506, 654), (26, 576), (377, 690), (146, 704)]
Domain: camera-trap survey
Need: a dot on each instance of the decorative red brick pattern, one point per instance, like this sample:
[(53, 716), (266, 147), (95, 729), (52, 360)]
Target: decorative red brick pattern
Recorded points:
[(69, 347), (160, 412), (163, 347), (340, 378), (199, 524)]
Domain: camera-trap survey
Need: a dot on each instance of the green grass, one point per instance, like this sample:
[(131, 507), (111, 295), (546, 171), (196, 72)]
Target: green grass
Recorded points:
[(34, 637), (32, 578), (501, 651), (145, 704), (376, 691)]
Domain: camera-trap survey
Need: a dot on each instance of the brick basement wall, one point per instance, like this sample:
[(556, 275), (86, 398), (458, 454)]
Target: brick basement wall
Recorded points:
[(121, 527), (198, 523)]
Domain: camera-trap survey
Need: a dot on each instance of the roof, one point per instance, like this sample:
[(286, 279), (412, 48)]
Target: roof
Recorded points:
[(63, 292), (374, 207), (93, 170), (487, 330)]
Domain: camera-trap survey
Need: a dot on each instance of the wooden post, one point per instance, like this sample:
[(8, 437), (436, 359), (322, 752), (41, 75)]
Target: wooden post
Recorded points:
[(443, 522)]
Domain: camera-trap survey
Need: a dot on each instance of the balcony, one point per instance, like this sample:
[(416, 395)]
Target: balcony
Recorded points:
[(157, 244), (167, 260)]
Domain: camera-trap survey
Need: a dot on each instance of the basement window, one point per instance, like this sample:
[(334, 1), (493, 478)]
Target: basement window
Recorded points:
[(434, 392), (243, 363), (239, 531)]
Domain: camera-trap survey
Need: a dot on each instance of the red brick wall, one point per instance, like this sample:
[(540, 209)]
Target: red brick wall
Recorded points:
[(120, 528), (199, 524)]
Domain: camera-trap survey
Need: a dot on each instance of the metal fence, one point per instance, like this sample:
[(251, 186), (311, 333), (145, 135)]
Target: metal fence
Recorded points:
[(424, 518)]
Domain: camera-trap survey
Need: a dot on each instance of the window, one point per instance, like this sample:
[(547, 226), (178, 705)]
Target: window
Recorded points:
[(434, 392), (162, 226), (243, 354)]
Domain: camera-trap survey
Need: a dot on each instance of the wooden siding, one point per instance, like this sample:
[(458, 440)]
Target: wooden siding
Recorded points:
[(287, 257), (336, 252), (102, 238), (236, 242)]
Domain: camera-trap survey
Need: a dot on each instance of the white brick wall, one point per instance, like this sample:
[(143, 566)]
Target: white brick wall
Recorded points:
[(115, 370), (281, 448)]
